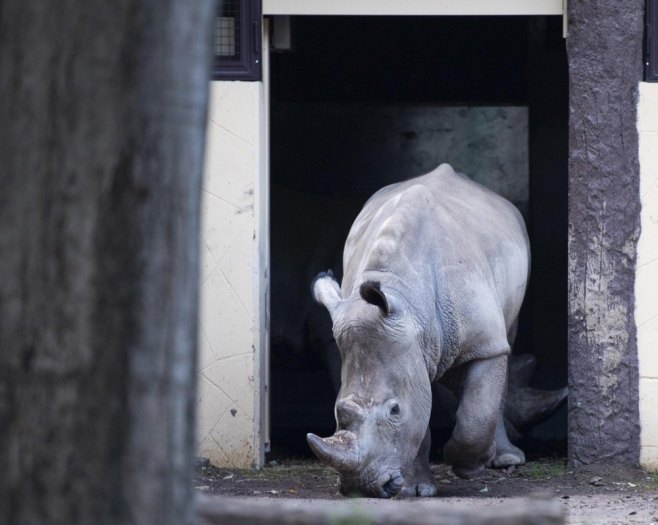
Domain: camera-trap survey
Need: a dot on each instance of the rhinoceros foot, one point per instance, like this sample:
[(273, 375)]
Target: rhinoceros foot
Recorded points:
[(509, 458), (469, 472), (465, 460), (421, 482), (507, 454), (421, 490)]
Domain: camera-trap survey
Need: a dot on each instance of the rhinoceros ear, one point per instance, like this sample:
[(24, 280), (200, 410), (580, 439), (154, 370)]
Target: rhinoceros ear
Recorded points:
[(371, 292), (326, 291)]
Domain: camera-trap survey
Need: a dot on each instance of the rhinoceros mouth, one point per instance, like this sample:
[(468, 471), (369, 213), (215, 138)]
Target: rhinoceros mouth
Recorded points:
[(393, 486)]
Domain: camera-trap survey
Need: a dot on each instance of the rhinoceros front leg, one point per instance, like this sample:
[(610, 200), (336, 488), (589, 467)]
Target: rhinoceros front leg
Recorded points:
[(472, 445), (421, 480)]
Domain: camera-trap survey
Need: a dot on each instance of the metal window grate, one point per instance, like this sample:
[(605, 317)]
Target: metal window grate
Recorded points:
[(238, 40), (227, 30)]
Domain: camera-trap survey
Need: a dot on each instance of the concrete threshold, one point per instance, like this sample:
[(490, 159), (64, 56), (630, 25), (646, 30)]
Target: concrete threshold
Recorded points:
[(225, 510)]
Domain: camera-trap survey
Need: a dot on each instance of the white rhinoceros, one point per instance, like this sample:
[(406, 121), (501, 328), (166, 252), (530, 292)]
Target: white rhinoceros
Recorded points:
[(435, 270)]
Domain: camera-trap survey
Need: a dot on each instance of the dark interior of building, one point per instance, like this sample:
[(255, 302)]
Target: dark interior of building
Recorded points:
[(360, 102)]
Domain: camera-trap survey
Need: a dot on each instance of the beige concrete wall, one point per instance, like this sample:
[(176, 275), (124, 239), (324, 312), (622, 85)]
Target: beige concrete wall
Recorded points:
[(231, 375), (412, 7), (646, 287)]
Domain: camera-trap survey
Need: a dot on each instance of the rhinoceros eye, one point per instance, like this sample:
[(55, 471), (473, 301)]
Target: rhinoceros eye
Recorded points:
[(395, 409)]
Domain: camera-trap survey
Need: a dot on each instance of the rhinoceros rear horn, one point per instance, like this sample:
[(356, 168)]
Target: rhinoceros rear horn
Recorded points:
[(338, 451), (371, 292)]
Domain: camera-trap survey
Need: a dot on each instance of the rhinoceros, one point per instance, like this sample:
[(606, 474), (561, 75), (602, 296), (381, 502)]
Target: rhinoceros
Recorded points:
[(434, 273)]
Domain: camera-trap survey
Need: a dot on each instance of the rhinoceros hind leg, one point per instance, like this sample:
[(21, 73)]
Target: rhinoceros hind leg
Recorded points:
[(421, 481), (507, 454)]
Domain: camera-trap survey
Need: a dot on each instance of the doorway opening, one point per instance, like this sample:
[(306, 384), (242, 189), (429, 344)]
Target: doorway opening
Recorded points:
[(361, 102)]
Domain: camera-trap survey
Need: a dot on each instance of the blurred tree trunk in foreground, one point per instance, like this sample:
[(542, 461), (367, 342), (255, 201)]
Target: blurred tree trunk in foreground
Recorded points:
[(102, 124)]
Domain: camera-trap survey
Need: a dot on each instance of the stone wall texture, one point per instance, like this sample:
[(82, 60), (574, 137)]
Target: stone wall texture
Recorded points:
[(604, 48)]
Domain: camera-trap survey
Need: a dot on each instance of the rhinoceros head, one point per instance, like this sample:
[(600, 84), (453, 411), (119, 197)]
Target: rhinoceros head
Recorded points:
[(384, 403)]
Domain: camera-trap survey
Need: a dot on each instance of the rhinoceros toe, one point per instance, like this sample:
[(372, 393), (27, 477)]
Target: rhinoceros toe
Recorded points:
[(424, 489)]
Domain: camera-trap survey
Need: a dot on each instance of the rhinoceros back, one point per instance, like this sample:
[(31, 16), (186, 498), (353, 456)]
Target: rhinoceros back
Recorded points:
[(457, 252)]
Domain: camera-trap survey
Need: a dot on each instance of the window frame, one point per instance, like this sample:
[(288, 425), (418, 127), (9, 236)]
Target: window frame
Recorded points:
[(651, 41), (249, 66)]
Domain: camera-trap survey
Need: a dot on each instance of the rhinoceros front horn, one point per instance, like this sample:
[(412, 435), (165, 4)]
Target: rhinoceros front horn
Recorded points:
[(338, 451)]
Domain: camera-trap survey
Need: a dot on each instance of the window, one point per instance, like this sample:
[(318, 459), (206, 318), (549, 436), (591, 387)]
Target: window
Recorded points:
[(238, 40)]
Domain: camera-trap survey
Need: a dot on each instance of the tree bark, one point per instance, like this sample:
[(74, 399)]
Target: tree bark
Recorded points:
[(103, 110), (604, 47)]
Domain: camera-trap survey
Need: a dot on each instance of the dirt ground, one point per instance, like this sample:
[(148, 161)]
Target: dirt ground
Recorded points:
[(592, 495)]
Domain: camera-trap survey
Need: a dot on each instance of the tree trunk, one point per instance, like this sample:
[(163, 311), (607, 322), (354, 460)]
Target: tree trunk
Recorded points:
[(604, 47), (103, 110)]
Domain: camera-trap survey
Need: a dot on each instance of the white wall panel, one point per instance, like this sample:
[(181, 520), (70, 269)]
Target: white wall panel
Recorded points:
[(646, 279), (230, 385)]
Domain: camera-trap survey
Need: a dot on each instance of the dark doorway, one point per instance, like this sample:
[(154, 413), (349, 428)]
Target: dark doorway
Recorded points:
[(361, 102)]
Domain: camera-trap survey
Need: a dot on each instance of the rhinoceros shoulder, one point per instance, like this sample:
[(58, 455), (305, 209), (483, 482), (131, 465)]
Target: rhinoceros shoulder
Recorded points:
[(388, 223)]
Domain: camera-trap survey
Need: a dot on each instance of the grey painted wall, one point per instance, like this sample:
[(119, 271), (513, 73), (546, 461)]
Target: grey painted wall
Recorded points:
[(355, 149)]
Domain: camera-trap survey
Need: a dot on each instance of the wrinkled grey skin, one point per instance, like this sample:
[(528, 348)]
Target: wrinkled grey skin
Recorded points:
[(524, 406), (435, 269)]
